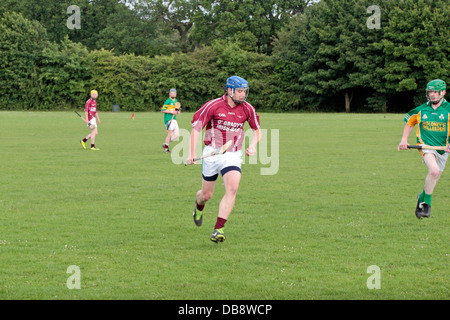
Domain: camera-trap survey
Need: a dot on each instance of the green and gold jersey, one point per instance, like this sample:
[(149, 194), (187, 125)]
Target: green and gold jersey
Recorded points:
[(432, 124), (169, 105)]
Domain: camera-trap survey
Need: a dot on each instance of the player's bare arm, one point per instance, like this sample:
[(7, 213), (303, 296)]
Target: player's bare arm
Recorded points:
[(192, 145), (404, 141), (251, 150), (175, 112)]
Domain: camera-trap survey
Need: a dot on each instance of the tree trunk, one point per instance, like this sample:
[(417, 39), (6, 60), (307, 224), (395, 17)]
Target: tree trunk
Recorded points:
[(348, 101), (183, 30)]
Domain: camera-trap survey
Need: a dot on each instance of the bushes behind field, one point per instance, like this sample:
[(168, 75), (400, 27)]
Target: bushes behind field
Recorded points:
[(326, 59), (41, 75)]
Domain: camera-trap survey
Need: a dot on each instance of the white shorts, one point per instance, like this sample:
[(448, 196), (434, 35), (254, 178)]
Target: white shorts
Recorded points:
[(441, 159), (220, 164), (173, 125), (93, 121)]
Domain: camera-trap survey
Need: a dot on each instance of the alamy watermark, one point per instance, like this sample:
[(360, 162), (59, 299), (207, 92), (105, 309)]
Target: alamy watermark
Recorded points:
[(374, 281), (74, 21), (74, 281), (374, 21)]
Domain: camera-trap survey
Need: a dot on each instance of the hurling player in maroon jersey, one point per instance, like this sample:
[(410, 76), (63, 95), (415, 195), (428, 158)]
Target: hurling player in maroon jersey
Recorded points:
[(224, 119), (91, 117)]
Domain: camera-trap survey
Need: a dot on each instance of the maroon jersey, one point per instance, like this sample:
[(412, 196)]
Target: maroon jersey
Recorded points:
[(224, 123), (91, 108)]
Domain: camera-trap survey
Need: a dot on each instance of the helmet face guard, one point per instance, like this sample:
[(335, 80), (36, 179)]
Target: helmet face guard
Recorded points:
[(237, 83), (441, 96), (233, 95), (436, 86)]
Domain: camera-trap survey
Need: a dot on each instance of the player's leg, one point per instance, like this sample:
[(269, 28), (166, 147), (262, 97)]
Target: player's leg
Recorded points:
[(168, 139), (230, 169), (210, 174), (83, 141), (203, 195), (176, 131), (89, 136), (231, 179), (433, 173), (94, 133), (206, 192), (435, 169)]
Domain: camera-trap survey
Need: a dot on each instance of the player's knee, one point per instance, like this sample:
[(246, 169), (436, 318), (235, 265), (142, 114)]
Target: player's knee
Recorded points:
[(435, 173), (206, 195), (232, 189)]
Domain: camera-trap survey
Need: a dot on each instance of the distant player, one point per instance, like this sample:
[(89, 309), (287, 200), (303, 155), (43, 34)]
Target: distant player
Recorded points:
[(224, 119), (91, 118), (432, 121), (170, 119)]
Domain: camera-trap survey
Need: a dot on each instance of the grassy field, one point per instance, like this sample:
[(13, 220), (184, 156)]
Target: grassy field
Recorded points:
[(342, 200)]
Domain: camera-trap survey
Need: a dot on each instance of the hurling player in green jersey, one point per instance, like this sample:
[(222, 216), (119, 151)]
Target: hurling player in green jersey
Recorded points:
[(432, 121), (171, 109)]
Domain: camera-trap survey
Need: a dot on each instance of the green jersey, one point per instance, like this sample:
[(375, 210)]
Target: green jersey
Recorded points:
[(432, 124), (169, 105)]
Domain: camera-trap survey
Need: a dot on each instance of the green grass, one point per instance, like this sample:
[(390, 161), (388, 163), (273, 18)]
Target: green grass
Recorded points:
[(342, 200)]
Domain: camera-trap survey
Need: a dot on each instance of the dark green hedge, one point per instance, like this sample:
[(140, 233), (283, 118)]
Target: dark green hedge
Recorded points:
[(40, 75), (323, 58)]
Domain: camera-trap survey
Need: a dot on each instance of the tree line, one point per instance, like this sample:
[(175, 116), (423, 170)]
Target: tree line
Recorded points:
[(328, 55)]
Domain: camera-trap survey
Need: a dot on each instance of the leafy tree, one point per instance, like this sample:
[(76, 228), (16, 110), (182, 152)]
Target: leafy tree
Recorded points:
[(329, 53), (416, 46), (21, 44), (125, 32), (176, 15), (104, 23), (252, 24), (324, 48), (96, 15)]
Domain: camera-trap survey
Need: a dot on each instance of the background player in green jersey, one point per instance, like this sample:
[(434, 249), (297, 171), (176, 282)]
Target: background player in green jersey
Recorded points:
[(432, 121), (171, 109)]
